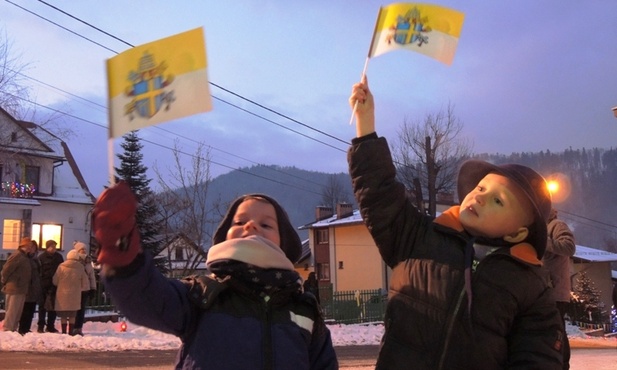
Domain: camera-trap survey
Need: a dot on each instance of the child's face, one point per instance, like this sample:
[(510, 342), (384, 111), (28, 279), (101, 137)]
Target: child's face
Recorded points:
[(255, 217), (496, 208)]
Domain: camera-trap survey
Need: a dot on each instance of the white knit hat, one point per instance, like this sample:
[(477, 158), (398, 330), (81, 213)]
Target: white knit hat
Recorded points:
[(79, 246), (73, 255)]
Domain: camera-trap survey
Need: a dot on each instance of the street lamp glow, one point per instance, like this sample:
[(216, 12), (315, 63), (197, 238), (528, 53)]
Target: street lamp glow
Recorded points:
[(559, 186), (553, 186), (615, 111)]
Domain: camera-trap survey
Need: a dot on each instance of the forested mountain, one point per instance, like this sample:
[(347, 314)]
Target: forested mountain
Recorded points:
[(298, 191), (590, 208)]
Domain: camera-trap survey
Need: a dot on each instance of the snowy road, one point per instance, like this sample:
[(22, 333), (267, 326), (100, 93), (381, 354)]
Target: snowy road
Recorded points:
[(351, 358)]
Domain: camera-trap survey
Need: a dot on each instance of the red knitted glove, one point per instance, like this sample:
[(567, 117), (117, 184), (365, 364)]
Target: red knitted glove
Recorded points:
[(113, 222)]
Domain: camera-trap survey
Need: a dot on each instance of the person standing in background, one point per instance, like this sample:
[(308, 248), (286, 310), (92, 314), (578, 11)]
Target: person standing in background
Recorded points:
[(71, 280), (560, 247), (88, 294), (15, 278), (49, 260), (311, 285), (34, 291)]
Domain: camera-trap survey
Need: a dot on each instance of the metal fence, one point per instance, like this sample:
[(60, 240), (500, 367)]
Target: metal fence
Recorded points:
[(353, 306)]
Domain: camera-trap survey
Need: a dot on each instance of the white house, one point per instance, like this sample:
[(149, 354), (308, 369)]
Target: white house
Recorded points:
[(596, 264), (43, 194)]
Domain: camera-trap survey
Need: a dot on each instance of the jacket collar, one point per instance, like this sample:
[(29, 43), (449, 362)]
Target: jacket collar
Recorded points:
[(524, 252)]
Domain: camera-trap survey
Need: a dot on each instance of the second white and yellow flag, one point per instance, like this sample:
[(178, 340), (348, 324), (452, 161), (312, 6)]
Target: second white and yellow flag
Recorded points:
[(428, 29), (158, 82)]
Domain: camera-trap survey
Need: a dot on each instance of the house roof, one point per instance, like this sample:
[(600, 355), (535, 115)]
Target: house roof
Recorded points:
[(594, 255), (69, 184), (333, 220), (20, 201), (306, 251)]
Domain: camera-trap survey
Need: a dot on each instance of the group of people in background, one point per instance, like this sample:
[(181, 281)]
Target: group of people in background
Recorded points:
[(59, 288)]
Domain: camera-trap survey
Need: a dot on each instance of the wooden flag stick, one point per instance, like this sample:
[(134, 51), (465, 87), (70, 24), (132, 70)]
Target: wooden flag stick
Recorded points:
[(110, 161), (355, 106)]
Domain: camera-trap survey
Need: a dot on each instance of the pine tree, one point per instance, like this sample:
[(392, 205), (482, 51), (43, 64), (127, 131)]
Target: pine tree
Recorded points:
[(133, 172)]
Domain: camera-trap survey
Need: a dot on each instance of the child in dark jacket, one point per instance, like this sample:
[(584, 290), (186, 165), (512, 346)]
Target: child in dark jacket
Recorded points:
[(468, 290), (250, 313)]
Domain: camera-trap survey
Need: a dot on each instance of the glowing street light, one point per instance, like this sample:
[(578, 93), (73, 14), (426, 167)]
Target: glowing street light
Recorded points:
[(615, 111), (553, 186), (559, 186)]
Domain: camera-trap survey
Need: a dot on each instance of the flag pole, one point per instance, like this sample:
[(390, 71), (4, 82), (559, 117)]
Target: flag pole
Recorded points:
[(368, 56), (110, 161), (355, 106), (110, 146)]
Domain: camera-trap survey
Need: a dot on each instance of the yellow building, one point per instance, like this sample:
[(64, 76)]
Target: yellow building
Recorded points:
[(343, 252)]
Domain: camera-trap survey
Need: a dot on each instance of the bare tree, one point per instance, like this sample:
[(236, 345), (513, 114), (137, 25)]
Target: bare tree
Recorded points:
[(15, 99), (12, 89), (334, 192), (183, 202), (428, 155)]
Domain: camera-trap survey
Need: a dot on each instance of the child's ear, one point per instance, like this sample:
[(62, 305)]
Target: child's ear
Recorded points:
[(517, 236)]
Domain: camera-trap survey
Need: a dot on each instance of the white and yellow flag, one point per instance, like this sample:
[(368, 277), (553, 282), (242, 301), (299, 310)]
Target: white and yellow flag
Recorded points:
[(424, 28), (158, 82)]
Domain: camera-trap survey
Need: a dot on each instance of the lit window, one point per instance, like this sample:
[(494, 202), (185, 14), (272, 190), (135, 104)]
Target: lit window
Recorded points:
[(44, 232), (11, 233)]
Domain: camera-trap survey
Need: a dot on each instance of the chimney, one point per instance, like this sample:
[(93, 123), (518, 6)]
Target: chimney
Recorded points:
[(322, 212), (343, 210)]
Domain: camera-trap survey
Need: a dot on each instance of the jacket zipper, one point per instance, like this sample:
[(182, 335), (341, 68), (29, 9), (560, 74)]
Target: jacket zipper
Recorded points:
[(268, 357), (450, 327)]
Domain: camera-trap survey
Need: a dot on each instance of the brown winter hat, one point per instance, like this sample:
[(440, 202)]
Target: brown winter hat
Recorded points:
[(532, 183), (290, 241), (25, 241)]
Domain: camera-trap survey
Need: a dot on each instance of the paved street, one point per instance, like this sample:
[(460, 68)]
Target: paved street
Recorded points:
[(350, 358)]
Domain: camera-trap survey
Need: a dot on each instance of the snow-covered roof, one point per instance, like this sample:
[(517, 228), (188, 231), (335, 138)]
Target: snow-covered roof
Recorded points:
[(177, 265), (306, 251), (333, 220), (69, 184), (20, 201), (594, 255)]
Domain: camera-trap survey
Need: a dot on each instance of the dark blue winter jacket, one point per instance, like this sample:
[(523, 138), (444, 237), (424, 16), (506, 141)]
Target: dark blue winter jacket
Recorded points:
[(503, 318), (224, 325)]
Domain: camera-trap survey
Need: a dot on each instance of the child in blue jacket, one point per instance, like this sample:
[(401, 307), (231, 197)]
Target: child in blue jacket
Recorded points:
[(250, 313)]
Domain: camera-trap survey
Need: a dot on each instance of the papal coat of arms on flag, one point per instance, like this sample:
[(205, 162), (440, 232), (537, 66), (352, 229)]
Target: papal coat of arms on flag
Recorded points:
[(424, 28), (150, 88), (158, 82)]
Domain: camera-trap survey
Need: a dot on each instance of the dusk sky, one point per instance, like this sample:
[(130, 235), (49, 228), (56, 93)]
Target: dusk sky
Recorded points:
[(527, 76)]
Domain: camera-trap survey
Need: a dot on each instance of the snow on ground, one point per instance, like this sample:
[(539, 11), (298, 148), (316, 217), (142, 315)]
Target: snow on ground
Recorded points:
[(109, 337)]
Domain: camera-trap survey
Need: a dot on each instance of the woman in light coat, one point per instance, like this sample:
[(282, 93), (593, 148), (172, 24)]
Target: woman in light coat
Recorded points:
[(70, 279)]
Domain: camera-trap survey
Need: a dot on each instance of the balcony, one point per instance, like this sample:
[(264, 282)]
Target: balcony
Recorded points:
[(17, 190)]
